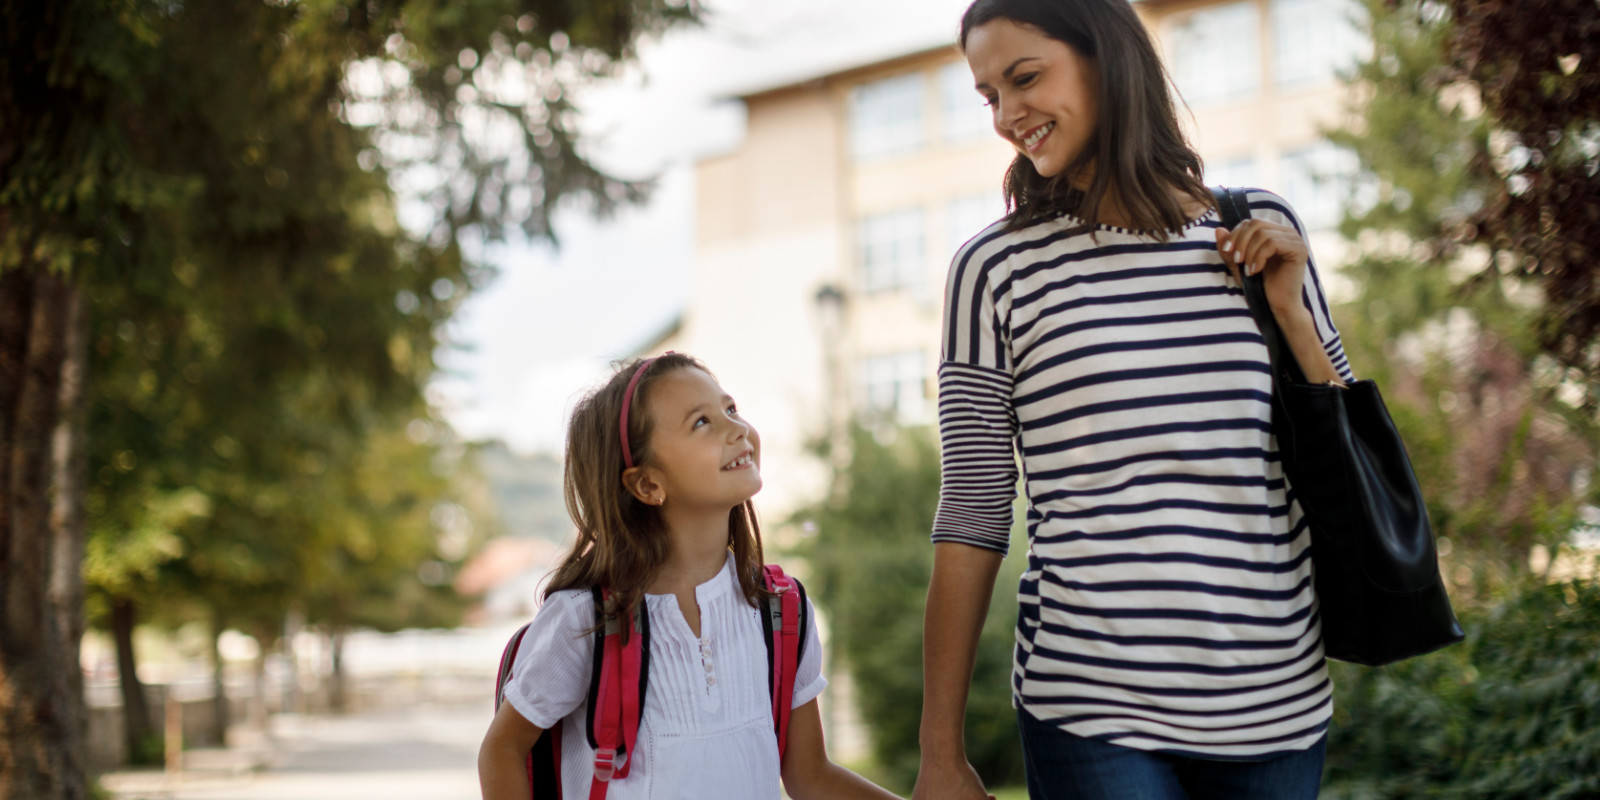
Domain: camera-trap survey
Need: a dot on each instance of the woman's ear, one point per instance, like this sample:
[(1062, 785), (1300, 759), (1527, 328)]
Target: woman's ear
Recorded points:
[(642, 484)]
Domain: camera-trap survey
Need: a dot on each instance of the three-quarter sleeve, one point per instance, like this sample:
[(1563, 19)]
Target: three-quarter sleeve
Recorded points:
[(977, 424)]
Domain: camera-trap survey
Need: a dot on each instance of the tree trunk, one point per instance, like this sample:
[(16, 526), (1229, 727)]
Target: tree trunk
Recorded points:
[(137, 727), (260, 713), (294, 700), (41, 741), (219, 686), (336, 695), (71, 457)]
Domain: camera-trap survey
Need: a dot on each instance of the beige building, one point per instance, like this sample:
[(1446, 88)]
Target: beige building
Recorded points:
[(824, 239)]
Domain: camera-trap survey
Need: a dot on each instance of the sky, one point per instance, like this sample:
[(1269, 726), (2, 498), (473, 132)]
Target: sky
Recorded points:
[(522, 349)]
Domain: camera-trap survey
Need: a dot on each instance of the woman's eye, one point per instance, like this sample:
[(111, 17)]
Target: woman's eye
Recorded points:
[(1024, 80), (990, 100)]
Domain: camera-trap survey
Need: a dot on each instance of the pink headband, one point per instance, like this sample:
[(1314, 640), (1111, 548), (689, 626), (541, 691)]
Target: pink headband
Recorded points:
[(627, 400)]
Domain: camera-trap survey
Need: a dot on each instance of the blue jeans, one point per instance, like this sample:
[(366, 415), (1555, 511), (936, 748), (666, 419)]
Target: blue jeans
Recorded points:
[(1062, 766)]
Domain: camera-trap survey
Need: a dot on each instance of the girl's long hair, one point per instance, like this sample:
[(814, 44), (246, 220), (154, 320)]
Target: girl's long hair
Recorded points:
[(1137, 151), (622, 542)]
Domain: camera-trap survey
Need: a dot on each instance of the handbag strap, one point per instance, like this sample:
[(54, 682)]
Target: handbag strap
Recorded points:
[(1234, 207)]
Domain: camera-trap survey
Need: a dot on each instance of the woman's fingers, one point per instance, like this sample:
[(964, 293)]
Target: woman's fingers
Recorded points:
[(1256, 243), (1229, 251)]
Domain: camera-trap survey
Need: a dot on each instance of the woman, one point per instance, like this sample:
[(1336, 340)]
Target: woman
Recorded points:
[(1168, 641)]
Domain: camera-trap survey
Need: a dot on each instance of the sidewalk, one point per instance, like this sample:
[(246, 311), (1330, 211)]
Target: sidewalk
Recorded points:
[(420, 753)]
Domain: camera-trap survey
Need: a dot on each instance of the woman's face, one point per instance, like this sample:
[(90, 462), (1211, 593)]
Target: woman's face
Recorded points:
[(1040, 90)]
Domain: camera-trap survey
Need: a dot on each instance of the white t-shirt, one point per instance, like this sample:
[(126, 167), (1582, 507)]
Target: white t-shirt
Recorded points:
[(706, 730)]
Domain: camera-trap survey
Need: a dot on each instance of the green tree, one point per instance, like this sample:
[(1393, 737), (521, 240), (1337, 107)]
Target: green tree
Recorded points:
[(1500, 441), (1452, 323), (871, 561), (200, 195)]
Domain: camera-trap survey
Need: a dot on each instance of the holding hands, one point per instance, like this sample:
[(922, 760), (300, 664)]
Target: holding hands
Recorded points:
[(952, 779)]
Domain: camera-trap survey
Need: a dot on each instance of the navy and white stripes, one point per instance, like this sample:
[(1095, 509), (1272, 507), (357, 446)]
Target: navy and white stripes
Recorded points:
[(1167, 603)]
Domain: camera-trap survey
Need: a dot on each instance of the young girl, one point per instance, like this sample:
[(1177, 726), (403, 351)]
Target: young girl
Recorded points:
[(659, 474), (1168, 643)]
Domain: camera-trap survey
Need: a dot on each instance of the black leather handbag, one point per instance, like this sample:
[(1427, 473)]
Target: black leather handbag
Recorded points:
[(1377, 575)]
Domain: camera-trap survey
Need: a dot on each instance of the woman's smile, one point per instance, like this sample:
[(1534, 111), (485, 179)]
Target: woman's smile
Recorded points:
[(1031, 141)]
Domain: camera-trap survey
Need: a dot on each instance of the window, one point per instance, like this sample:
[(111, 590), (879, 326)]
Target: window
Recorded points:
[(1317, 181), (966, 118), (965, 216), (1313, 39), (891, 250), (896, 386), (886, 117), (1239, 173), (1214, 54)]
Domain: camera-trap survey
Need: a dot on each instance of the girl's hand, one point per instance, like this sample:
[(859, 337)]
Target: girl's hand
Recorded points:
[(1257, 245)]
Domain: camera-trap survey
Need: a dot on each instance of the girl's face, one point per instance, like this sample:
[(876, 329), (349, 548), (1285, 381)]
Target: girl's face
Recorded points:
[(1040, 90), (702, 453)]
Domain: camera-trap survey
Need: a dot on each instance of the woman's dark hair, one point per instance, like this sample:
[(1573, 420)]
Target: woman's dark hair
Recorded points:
[(1137, 150), (622, 542)]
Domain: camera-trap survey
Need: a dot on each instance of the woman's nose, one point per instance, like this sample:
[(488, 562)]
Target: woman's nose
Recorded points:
[(1007, 113)]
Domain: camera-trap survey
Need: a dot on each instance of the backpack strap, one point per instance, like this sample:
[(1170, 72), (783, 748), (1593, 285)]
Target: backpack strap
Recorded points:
[(508, 657), (616, 693), (544, 759), (784, 627)]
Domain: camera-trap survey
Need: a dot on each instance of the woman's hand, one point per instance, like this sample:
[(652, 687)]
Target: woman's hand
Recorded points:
[(949, 781), (1257, 245)]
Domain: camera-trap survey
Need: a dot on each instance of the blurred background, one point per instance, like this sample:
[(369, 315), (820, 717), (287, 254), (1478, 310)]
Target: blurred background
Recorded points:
[(295, 297)]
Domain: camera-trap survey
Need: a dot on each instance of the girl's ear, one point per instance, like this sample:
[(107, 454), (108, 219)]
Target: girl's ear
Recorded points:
[(642, 484)]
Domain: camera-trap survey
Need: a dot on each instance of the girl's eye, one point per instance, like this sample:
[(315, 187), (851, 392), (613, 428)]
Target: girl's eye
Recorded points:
[(733, 411), (701, 421)]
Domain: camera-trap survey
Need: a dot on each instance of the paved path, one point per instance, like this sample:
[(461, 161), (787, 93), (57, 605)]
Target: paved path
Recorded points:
[(422, 753)]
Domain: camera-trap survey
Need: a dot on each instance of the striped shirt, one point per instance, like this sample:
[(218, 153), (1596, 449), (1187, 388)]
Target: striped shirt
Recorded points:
[(1167, 602)]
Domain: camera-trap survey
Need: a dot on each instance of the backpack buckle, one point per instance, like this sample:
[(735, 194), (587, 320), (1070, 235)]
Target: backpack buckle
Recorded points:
[(605, 764)]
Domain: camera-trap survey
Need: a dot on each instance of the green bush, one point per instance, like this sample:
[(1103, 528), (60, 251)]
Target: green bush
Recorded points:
[(871, 560), (1513, 712)]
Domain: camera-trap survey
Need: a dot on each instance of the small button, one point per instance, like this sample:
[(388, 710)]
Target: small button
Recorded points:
[(708, 666), (711, 680)]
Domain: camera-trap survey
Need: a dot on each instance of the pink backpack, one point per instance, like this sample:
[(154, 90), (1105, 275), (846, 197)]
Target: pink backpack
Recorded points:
[(622, 674)]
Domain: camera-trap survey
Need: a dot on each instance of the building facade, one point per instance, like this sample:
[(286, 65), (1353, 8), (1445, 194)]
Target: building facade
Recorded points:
[(824, 239)]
